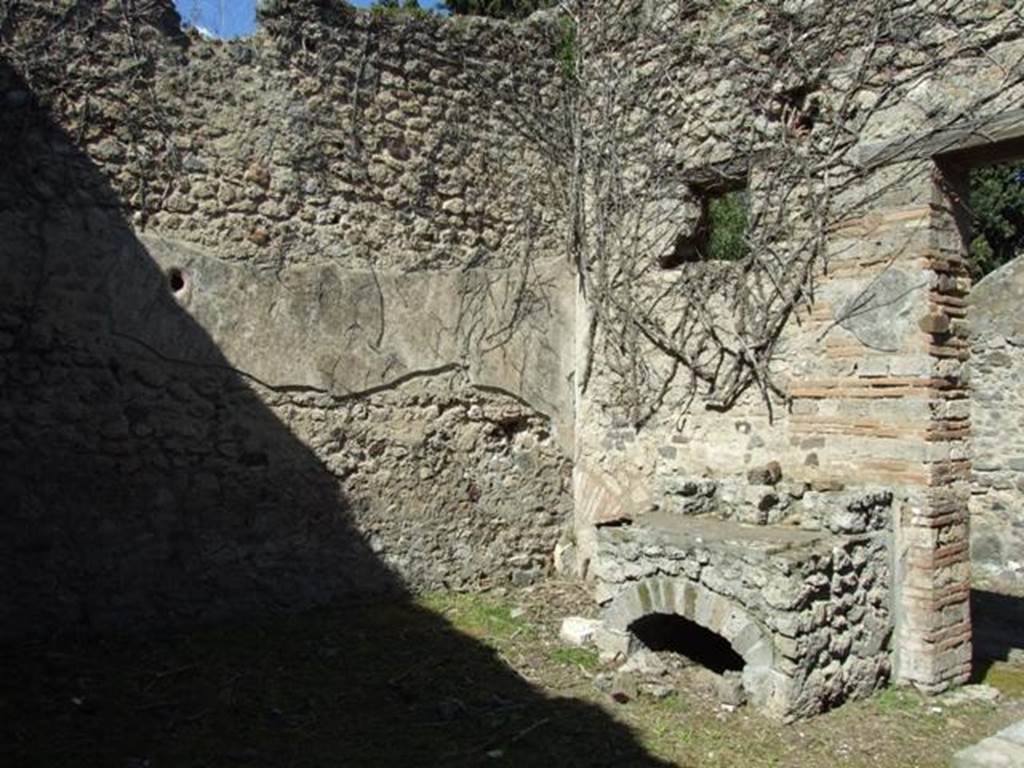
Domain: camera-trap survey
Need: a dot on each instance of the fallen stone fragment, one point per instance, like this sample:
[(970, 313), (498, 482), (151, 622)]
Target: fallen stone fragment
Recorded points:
[(613, 644), (729, 688), (769, 474), (624, 687), (644, 662), (1003, 750), (657, 690), (971, 694), (578, 631)]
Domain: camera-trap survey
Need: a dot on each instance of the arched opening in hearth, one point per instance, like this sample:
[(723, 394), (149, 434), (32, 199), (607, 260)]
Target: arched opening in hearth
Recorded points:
[(676, 634)]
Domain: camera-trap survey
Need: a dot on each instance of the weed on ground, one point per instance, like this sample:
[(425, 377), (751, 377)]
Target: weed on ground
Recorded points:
[(446, 679)]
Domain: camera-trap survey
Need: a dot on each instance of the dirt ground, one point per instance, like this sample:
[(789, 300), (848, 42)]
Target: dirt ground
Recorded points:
[(453, 679)]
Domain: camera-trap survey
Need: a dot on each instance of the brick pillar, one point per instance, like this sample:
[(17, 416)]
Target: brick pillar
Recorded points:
[(933, 629)]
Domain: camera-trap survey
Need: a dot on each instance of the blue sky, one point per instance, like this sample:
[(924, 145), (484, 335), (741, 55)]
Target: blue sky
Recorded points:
[(232, 18)]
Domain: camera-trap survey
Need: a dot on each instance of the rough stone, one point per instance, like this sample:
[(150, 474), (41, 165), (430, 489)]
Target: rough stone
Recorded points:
[(277, 350), (780, 597), (625, 687), (729, 689), (577, 630), (247, 384), (972, 694), (1003, 750), (996, 367), (769, 474), (644, 663), (614, 644)]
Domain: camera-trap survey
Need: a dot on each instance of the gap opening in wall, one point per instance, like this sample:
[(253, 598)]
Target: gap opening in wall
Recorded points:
[(675, 634), (996, 208), (720, 233), (993, 228), (986, 189)]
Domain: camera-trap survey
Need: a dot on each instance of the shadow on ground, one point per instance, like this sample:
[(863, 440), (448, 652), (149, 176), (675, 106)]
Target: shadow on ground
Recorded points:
[(998, 622), (146, 486), (383, 685)]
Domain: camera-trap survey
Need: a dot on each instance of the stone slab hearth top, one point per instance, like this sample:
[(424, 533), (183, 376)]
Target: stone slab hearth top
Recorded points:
[(689, 532)]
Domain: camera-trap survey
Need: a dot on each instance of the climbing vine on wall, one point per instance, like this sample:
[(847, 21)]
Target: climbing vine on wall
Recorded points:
[(659, 142), (57, 49)]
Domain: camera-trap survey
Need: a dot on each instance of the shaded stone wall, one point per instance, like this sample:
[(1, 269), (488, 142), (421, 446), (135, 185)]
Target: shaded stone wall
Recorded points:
[(997, 405), (291, 319), (283, 318)]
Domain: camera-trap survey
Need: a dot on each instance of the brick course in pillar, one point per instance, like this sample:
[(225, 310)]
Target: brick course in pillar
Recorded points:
[(933, 557)]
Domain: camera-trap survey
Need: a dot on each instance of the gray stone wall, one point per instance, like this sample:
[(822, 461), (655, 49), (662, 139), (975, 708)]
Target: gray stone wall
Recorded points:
[(869, 391), (283, 318), (855, 341), (291, 319), (810, 614), (997, 417)]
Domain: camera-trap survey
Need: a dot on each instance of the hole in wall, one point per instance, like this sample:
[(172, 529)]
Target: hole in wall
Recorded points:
[(720, 233), (509, 427), (176, 280), (675, 634), (684, 252), (798, 110)]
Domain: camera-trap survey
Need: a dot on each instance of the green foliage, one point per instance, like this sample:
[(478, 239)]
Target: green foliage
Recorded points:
[(997, 207), (398, 6), (502, 9), (896, 700), (481, 616), (575, 657), (727, 226), (566, 50)]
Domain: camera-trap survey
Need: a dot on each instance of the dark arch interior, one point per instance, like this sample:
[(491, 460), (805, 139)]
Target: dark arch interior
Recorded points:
[(669, 632)]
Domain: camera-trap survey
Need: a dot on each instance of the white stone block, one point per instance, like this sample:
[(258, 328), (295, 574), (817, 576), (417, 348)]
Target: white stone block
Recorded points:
[(578, 631)]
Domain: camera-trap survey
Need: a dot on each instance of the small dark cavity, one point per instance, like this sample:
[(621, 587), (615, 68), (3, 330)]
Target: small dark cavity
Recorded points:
[(176, 280), (512, 426)]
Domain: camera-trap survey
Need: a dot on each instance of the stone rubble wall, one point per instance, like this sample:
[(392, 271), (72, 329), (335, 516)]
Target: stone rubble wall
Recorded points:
[(290, 319), (822, 605), (283, 319), (875, 365), (997, 420), (858, 384)]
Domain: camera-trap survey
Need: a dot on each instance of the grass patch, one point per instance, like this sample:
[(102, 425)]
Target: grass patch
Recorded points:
[(1008, 679), (575, 657), (470, 679), (480, 615), (893, 700)]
